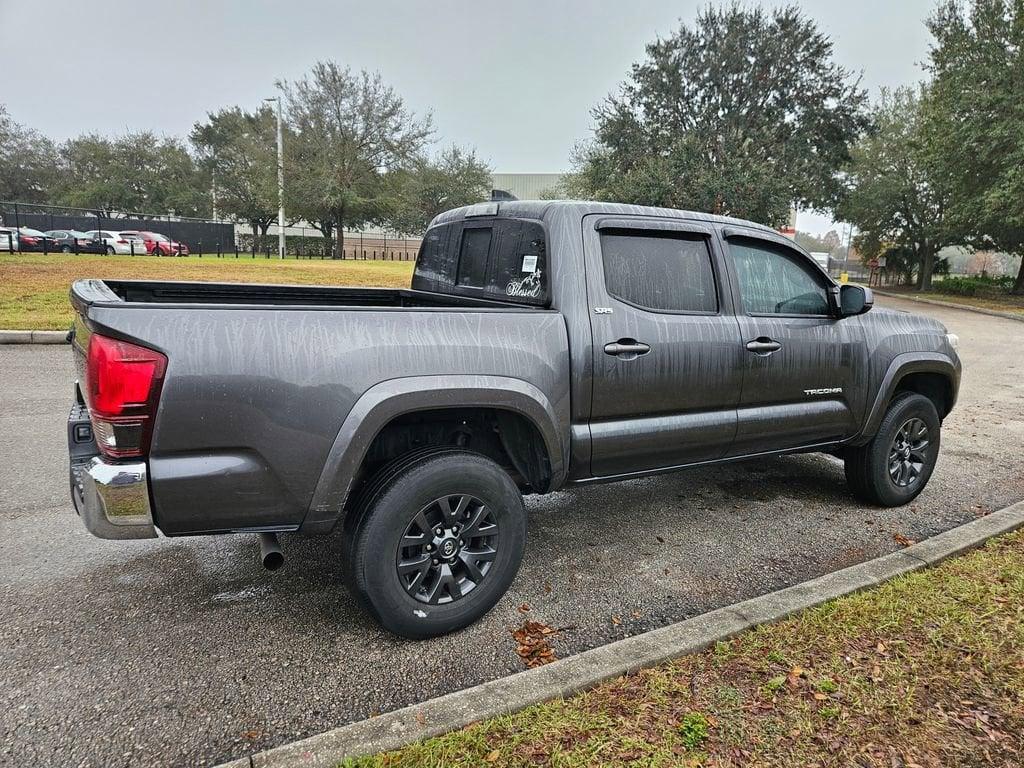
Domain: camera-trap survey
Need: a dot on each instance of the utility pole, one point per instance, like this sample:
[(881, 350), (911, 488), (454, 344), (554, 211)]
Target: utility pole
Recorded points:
[(280, 180)]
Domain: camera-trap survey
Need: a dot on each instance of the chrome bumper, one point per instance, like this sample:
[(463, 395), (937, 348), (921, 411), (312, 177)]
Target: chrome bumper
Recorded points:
[(113, 500)]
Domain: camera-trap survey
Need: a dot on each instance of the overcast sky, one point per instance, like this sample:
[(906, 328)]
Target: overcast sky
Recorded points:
[(515, 80)]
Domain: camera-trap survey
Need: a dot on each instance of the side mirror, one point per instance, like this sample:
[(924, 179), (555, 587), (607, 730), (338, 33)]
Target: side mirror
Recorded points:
[(854, 300)]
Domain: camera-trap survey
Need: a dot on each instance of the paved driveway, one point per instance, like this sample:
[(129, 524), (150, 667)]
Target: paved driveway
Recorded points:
[(185, 652)]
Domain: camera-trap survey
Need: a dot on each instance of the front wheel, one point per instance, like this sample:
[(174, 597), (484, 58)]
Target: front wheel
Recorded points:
[(896, 465), (436, 542), (110, 250)]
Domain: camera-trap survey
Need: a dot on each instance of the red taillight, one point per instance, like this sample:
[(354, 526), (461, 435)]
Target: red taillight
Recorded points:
[(123, 382), (122, 242)]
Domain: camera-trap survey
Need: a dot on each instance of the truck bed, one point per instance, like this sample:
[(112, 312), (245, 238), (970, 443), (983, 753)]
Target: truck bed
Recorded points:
[(260, 379), (89, 292)]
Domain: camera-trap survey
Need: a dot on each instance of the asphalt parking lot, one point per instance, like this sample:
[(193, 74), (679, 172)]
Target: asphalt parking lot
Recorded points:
[(186, 652)]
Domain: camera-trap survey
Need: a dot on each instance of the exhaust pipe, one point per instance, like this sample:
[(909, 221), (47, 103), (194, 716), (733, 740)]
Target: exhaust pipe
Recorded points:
[(270, 551)]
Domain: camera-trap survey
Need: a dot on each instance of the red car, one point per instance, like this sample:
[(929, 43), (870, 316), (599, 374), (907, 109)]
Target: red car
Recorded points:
[(157, 244)]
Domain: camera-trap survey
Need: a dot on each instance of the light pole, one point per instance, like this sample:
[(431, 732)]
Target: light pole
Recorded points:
[(280, 180)]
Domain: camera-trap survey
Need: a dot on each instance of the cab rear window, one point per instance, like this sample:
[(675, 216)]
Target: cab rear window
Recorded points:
[(501, 258)]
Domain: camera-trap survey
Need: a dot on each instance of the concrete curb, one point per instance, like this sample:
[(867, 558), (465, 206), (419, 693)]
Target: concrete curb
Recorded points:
[(577, 673), (952, 305), (33, 337)]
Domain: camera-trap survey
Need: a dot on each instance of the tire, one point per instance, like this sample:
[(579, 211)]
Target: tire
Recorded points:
[(65, 249), (410, 500), (110, 250), (896, 465)]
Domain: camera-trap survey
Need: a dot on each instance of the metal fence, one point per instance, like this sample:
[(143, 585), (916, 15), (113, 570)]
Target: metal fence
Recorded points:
[(184, 230), (208, 237)]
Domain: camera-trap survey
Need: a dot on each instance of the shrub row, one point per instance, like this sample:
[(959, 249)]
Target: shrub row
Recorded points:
[(981, 285)]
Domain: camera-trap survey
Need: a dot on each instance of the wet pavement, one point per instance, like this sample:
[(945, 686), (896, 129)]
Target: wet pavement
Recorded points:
[(186, 652)]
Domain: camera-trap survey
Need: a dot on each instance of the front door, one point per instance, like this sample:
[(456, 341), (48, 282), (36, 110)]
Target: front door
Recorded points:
[(667, 357), (802, 363)]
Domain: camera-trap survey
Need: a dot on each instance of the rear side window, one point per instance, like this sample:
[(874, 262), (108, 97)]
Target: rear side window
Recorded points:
[(500, 259), (662, 272)]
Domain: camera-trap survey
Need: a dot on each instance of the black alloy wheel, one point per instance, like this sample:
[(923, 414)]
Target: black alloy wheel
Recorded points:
[(448, 549), (908, 453)]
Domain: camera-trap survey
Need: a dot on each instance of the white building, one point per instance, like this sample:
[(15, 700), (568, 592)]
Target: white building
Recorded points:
[(523, 186)]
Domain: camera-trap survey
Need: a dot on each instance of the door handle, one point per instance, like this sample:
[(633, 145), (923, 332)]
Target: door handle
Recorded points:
[(762, 345), (627, 348)]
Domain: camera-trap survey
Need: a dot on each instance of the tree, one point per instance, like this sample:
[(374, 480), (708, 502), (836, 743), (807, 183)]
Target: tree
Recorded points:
[(744, 114), (456, 177), (977, 125), (351, 130), (136, 172), (239, 150), (28, 162), (832, 240), (812, 243), (894, 196)]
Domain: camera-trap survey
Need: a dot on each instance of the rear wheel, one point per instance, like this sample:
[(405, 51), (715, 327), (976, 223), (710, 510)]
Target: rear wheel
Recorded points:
[(65, 249), (110, 250), (898, 462), (435, 541)]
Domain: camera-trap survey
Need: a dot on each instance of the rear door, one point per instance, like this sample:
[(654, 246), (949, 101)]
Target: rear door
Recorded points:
[(802, 363), (668, 364)]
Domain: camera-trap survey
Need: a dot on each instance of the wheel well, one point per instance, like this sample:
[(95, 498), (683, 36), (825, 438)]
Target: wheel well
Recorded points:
[(934, 386), (507, 437)]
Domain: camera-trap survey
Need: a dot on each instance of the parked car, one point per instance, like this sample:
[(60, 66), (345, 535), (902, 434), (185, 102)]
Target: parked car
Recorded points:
[(541, 345), (8, 239), (159, 245), (116, 243), (29, 239), (73, 241)]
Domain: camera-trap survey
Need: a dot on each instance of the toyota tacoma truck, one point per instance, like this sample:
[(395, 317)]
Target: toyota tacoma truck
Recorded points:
[(540, 345)]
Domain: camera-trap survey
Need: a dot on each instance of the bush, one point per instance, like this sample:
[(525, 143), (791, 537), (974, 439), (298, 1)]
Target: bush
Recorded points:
[(974, 286), (294, 245)]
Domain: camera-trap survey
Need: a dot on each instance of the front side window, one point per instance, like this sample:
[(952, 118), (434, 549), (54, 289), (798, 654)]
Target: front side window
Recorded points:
[(775, 282), (663, 272)]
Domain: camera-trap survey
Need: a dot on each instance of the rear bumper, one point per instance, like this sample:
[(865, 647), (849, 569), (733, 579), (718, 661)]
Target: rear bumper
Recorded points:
[(113, 499)]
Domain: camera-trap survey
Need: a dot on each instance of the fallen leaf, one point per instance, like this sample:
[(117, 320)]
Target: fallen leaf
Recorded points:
[(532, 643), (660, 540), (252, 735), (616, 620), (902, 540), (493, 756), (547, 588), (524, 608), (421, 718)]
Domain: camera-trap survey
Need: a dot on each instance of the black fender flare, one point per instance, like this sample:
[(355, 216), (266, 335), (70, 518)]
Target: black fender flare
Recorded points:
[(395, 397), (901, 366)]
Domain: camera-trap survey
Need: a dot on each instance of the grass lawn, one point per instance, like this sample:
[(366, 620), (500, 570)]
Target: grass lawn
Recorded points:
[(927, 671), (1013, 304), (34, 287)]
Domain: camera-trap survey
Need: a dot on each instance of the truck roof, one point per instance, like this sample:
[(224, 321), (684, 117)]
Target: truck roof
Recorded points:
[(546, 209)]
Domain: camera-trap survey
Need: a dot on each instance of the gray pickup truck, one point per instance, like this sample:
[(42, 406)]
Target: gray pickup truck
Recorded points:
[(541, 344)]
